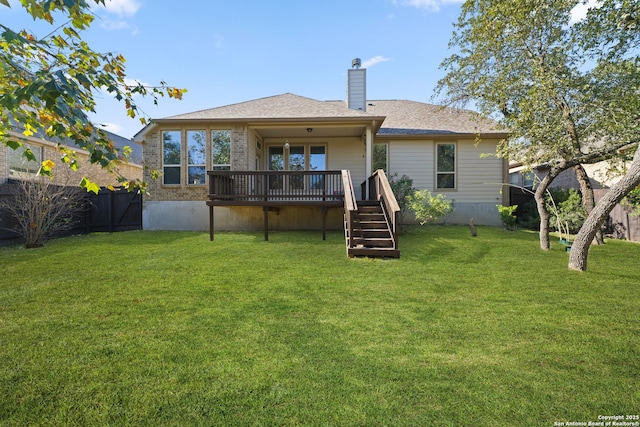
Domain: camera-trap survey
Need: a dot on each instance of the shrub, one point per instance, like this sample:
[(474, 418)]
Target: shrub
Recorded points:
[(568, 214), (529, 217), (565, 204), (42, 209), (402, 189), (430, 208), (507, 216), (632, 200)]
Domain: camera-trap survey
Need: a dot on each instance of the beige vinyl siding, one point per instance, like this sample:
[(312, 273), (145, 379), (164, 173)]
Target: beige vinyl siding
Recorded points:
[(414, 159), (478, 176), (357, 89), (347, 153)]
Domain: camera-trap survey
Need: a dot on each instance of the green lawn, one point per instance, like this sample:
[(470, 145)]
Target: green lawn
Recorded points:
[(167, 328)]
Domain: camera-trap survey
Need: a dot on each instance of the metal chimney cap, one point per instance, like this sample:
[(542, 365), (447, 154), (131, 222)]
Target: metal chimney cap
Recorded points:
[(356, 63)]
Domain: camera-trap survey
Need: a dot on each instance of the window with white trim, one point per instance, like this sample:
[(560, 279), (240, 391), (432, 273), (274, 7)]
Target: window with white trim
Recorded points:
[(196, 157), (171, 156), (381, 157), (19, 163), (221, 150), (445, 166)]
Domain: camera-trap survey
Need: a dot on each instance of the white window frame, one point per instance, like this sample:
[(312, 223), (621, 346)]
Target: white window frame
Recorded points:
[(454, 173), (220, 166), (20, 165), (171, 165), (386, 154), (204, 158)]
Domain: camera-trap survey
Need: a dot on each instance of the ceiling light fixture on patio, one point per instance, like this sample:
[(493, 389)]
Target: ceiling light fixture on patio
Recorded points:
[(309, 130), (286, 144)]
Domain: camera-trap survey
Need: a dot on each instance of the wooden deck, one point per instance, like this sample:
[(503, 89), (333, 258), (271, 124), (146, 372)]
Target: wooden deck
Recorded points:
[(370, 230), (274, 189)]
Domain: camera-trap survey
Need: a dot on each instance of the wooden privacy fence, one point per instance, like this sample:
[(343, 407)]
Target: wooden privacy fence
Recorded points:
[(622, 225), (107, 211)]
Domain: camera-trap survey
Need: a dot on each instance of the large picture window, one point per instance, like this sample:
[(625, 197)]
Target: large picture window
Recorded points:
[(196, 156), (221, 150), (171, 156), (18, 162), (446, 166)]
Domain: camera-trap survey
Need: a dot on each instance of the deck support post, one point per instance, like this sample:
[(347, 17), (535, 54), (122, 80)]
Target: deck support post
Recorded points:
[(211, 223), (324, 222), (265, 209)]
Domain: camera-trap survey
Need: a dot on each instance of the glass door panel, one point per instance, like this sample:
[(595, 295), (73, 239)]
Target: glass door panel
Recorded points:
[(297, 162), (317, 162), (276, 163)]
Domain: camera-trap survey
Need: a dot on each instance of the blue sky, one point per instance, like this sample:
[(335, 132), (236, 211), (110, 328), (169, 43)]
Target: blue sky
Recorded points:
[(231, 51)]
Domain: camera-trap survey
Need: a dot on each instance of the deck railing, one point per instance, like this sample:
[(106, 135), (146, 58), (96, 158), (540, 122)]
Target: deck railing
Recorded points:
[(380, 190), (350, 206), (275, 187)]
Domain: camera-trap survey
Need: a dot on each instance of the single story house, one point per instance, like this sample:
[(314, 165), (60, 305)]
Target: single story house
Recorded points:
[(291, 144)]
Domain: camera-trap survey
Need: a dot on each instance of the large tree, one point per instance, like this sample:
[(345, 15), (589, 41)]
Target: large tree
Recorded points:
[(611, 38), (523, 62), (48, 84)]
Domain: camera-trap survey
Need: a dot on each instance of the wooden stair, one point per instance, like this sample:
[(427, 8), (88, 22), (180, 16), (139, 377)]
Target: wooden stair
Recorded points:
[(372, 234)]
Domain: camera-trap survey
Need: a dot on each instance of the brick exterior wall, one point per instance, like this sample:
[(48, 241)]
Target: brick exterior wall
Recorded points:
[(4, 163), (63, 175), (239, 158), (152, 155)]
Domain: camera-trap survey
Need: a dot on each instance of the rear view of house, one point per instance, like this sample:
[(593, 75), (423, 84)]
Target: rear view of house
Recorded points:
[(293, 145)]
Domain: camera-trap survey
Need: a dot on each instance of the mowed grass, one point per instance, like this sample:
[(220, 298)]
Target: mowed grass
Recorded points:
[(167, 328)]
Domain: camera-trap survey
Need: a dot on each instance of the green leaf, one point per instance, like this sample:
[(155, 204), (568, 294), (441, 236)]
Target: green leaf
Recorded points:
[(89, 186), (28, 154), (11, 143), (5, 2)]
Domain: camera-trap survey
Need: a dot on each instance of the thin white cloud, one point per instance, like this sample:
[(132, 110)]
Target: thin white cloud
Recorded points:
[(114, 13), (112, 127), (122, 8), (428, 5), (579, 12), (375, 60), (110, 25)]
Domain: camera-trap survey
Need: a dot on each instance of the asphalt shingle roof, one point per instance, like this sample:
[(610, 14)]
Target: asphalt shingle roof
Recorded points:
[(405, 117), (402, 117), (285, 106)]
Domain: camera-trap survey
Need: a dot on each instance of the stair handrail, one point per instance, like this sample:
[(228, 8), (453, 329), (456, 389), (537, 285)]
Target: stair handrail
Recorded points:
[(381, 189), (350, 205)]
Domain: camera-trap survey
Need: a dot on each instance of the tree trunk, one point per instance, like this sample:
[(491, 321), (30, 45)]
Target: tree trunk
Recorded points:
[(541, 203), (593, 223), (588, 200)]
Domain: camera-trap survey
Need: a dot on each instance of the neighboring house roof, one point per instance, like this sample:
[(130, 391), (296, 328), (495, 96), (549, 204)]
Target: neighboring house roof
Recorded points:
[(120, 142)]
